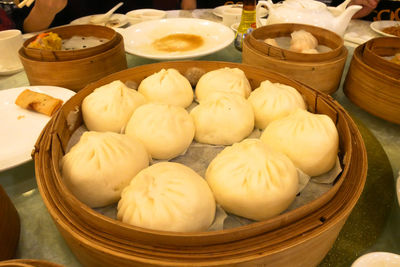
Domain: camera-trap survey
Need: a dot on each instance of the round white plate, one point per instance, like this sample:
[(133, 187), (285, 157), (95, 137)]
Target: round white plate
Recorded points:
[(375, 259), (22, 127), (86, 20), (11, 71), (218, 10), (378, 26), (139, 38)]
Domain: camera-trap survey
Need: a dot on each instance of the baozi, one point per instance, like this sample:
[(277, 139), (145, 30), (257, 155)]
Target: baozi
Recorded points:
[(273, 101), (223, 119), (225, 80), (168, 87), (109, 107), (310, 140), (253, 181), (100, 165), (165, 130), (168, 196)]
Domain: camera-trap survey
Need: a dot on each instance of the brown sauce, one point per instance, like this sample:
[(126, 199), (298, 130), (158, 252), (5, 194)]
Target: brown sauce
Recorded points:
[(178, 42)]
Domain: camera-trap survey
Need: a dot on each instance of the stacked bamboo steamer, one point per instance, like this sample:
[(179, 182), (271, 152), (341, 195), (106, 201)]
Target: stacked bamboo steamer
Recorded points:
[(309, 230), (74, 69), (373, 82), (322, 71)]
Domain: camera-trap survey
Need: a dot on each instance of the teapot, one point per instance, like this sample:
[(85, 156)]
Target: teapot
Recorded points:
[(310, 12)]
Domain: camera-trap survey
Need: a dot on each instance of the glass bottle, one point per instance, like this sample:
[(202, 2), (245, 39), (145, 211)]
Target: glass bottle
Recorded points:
[(247, 22)]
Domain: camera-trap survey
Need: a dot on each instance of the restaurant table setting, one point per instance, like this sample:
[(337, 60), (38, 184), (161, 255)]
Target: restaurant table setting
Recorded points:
[(353, 220)]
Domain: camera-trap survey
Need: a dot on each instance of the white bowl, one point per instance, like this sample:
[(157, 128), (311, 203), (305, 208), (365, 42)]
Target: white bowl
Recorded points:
[(139, 15), (375, 259)]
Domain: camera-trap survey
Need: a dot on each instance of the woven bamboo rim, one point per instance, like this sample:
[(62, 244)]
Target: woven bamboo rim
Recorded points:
[(372, 90), (324, 76), (316, 101), (324, 37), (28, 263), (9, 227), (66, 32), (320, 228), (377, 48)]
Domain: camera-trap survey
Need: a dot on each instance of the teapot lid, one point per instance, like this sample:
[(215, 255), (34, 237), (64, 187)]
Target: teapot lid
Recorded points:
[(306, 4)]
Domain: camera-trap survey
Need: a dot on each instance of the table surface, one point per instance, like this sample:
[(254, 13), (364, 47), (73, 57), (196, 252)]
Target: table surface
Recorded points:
[(40, 238)]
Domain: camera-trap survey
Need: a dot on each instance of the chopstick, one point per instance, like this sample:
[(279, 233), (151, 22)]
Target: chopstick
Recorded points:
[(25, 3)]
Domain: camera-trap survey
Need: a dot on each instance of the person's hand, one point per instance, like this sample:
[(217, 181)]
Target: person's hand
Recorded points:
[(50, 6), (367, 7)]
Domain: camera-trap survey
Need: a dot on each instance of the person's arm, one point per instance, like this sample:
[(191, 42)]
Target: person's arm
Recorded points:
[(188, 4), (368, 6), (42, 14)]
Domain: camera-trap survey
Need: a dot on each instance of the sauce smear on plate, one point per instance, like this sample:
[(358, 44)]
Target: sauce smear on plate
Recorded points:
[(178, 42)]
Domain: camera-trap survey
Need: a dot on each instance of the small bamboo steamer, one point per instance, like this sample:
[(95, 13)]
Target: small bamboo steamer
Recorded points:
[(255, 75), (28, 263), (66, 32), (324, 37), (77, 73), (376, 49), (372, 89), (323, 75), (9, 227), (118, 244)]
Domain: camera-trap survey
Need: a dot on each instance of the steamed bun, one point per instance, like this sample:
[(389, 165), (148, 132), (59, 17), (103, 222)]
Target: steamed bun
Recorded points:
[(100, 165), (272, 101), (253, 181), (168, 87), (165, 130), (168, 196), (223, 119), (109, 107), (310, 140), (225, 80)]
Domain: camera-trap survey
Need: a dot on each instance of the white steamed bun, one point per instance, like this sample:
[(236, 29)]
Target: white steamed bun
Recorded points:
[(273, 101), (310, 140), (168, 87), (225, 80), (165, 130), (100, 165), (253, 181), (109, 107), (168, 196), (223, 119)]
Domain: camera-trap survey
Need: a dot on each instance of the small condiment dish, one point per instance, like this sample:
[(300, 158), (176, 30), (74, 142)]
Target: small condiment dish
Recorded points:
[(139, 15)]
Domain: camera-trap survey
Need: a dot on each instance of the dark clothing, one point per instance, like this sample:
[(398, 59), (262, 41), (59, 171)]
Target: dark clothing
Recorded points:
[(386, 10)]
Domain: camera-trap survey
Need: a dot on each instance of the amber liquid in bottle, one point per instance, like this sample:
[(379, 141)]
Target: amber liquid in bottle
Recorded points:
[(247, 22)]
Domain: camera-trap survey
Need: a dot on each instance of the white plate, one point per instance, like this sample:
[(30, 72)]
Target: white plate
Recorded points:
[(139, 38), (22, 127), (218, 10), (86, 20), (11, 71), (378, 26), (375, 259)]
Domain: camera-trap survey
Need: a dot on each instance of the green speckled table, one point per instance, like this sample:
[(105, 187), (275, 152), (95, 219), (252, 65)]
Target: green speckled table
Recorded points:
[(374, 224)]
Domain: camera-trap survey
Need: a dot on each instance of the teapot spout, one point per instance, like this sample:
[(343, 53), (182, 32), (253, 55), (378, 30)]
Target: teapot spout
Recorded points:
[(343, 20)]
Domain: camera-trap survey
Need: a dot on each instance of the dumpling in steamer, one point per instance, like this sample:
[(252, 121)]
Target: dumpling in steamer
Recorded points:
[(225, 80), (100, 165), (310, 140), (273, 101), (109, 107), (168, 87), (223, 119), (168, 196), (253, 181), (165, 130), (302, 40)]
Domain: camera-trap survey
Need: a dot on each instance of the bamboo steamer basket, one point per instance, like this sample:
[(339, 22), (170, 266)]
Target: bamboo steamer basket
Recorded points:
[(9, 227), (319, 71), (281, 240), (76, 73), (66, 32), (28, 263), (370, 86)]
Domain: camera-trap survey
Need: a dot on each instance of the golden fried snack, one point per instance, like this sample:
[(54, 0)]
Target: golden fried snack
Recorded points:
[(39, 102)]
